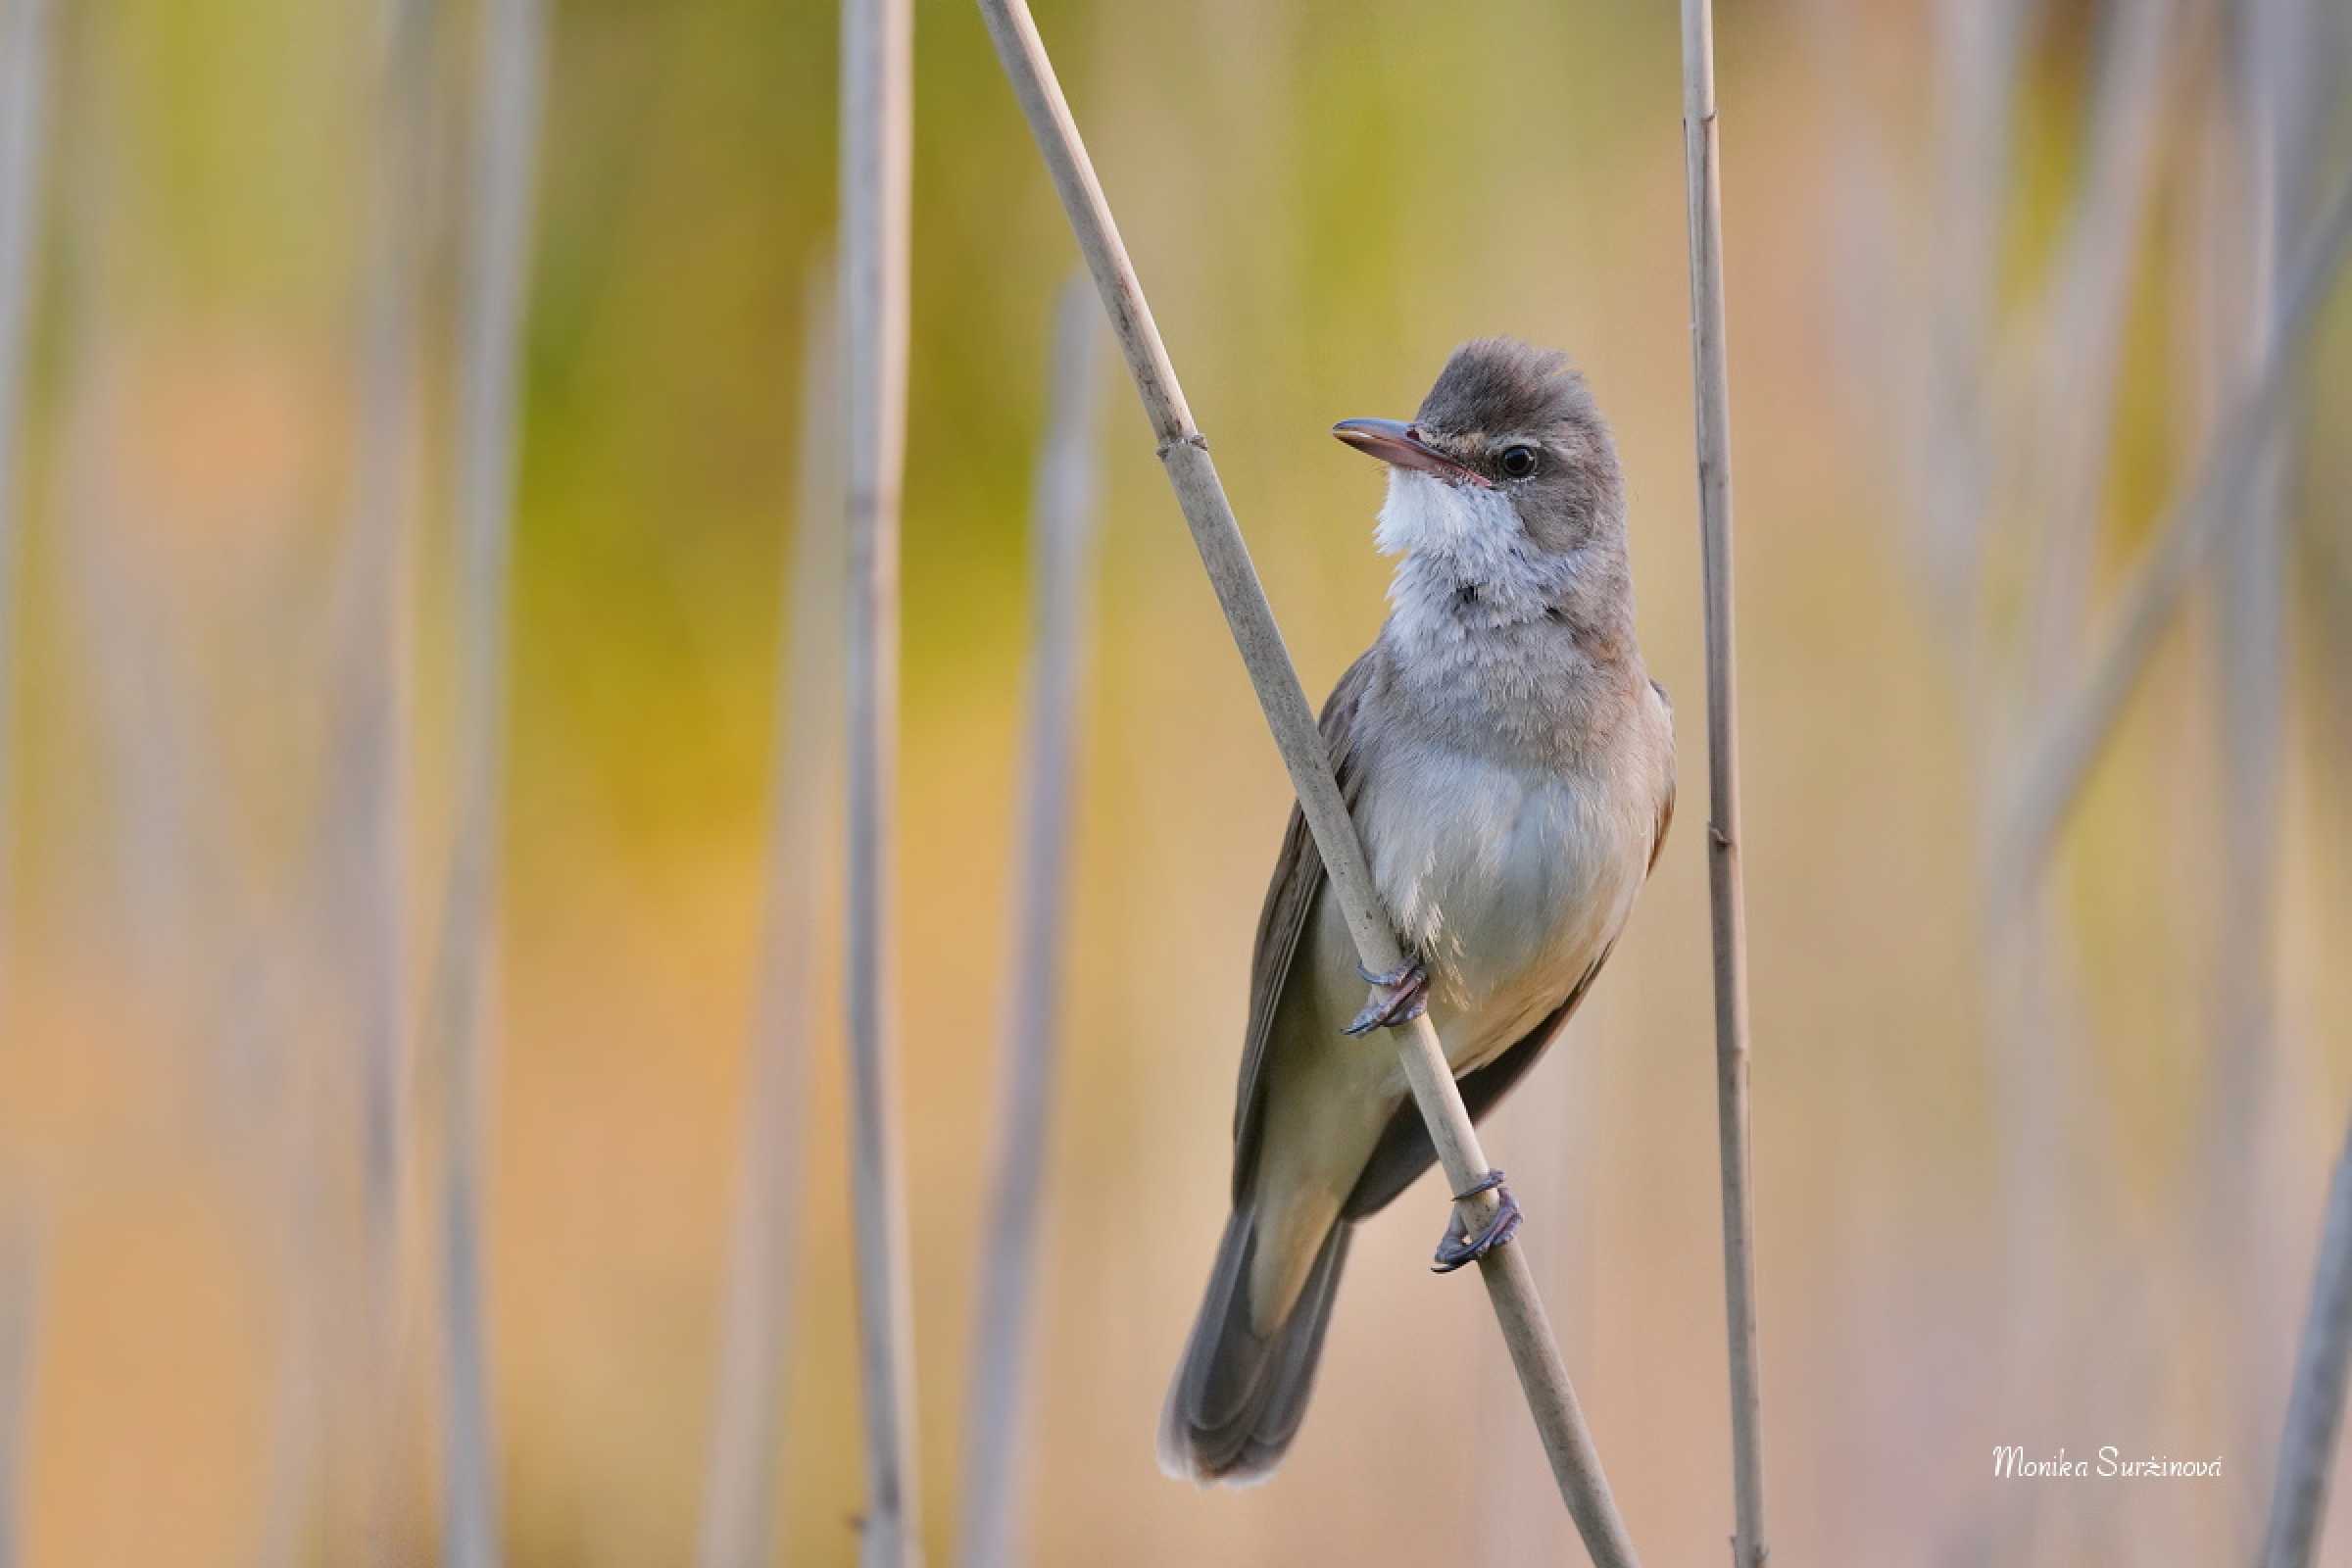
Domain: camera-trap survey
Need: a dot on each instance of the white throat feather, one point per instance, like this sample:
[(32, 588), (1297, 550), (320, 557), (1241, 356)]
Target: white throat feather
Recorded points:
[(1468, 562)]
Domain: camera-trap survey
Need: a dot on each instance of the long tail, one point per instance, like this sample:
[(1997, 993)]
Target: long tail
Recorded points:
[(1238, 1396)]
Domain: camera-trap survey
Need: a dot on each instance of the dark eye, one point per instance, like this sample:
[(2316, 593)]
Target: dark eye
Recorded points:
[(1518, 462)]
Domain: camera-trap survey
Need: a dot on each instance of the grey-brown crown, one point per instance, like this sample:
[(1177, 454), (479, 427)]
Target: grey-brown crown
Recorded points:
[(1491, 385)]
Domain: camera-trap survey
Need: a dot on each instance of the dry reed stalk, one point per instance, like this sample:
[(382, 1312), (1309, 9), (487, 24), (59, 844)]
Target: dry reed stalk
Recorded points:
[(20, 1289), (24, 90), (739, 1505), (2315, 1412), (1184, 452), (367, 834), (1711, 401), (1060, 536), (1979, 41), (2059, 450), (876, 132), (491, 302)]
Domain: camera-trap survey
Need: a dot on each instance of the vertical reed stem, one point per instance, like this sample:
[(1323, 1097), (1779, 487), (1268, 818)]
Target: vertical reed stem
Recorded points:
[(492, 300), (877, 107), (1184, 453), (739, 1507), (1712, 404), (20, 1290), (368, 848), (369, 830), (1060, 537), (23, 86)]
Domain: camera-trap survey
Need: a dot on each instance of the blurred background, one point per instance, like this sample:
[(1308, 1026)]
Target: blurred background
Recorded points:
[(2042, 1139)]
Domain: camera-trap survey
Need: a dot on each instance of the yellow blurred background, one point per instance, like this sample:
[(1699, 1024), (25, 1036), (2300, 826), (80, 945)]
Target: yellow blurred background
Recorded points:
[(1986, 1186)]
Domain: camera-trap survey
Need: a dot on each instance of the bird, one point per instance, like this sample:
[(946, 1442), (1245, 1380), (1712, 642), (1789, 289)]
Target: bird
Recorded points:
[(1509, 766)]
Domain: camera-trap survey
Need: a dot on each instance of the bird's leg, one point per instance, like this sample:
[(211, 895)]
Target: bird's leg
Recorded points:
[(1399, 997), (1456, 1248)]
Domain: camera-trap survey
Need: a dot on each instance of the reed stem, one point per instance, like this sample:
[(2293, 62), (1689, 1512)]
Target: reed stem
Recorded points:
[(1727, 904), (1060, 541), (738, 1512), (877, 106), (23, 86), (2314, 1411), (1184, 453), (491, 302)]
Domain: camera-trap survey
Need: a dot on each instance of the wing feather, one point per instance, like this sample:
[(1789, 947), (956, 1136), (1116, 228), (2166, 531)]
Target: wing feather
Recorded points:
[(1289, 905)]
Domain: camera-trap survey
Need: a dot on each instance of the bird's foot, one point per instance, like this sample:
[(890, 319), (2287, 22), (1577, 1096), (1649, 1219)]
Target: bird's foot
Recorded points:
[(1399, 997), (1456, 1248)]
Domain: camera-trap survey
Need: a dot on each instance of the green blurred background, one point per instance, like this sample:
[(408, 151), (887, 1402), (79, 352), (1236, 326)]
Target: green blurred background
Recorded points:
[(1986, 1185)]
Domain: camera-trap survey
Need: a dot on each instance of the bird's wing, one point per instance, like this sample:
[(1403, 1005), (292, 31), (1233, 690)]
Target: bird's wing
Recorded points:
[(1658, 835), (1289, 905), (1404, 1151)]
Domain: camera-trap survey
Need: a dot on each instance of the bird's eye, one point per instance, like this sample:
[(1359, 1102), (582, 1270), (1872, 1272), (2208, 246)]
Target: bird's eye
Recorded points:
[(1518, 462)]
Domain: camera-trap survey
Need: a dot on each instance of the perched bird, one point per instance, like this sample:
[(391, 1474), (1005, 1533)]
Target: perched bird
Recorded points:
[(1510, 767)]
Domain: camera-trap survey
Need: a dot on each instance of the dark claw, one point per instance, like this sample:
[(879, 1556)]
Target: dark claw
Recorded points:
[(1396, 998), (1484, 1184), (1455, 1249)]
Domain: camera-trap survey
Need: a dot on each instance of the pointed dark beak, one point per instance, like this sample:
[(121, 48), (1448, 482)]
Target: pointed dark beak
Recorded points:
[(1400, 445)]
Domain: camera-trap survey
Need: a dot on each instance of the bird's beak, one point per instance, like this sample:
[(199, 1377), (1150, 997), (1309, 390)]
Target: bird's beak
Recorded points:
[(1400, 445)]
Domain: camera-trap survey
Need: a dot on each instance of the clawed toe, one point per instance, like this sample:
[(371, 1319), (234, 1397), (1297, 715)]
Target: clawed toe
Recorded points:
[(1397, 997), (1456, 1250)]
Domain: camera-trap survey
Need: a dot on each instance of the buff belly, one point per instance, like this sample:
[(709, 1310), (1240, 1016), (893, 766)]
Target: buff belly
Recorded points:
[(1512, 882)]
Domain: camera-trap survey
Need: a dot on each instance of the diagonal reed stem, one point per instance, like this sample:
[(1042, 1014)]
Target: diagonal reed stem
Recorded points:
[(739, 1505), (1726, 903), (2314, 1411), (1060, 543), (1184, 452), (877, 107)]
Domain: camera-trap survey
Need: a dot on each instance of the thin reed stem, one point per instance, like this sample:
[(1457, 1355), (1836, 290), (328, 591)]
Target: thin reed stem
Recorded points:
[(1061, 539), (492, 301), (20, 1294), (24, 89), (1184, 452), (367, 829), (2314, 1411), (2061, 455), (739, 1507), (877, 110), (1711, 403)]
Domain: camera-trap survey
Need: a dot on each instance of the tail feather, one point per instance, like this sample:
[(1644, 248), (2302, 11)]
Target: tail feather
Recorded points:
[(1238, 1396)]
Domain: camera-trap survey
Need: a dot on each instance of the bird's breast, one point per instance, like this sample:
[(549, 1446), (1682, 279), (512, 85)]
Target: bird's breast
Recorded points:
[(1508, 880)]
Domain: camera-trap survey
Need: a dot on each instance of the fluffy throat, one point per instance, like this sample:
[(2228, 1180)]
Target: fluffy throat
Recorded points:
[(1468, 562)]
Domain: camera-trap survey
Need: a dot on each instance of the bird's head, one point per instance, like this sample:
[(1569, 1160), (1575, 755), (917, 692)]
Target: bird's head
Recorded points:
[(1506, 452)]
